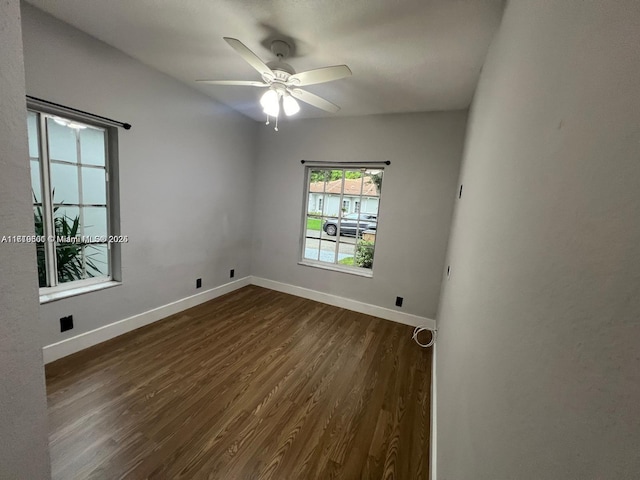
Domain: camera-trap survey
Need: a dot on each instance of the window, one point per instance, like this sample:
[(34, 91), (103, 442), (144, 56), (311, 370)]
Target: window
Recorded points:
[(72, 202), (320, 204), (333, 237)]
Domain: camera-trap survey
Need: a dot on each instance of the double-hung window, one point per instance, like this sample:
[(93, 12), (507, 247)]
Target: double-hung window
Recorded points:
[(73, 204), (335, 235)]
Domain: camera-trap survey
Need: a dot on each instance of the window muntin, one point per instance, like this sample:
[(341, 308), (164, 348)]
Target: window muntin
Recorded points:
[(333, 235), (69, 163)]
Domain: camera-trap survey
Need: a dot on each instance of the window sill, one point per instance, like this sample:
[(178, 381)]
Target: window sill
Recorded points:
[(359, 272), (72, 292)]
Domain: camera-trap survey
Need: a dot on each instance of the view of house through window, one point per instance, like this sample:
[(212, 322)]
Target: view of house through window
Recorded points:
[(69, 179), (341, 217)]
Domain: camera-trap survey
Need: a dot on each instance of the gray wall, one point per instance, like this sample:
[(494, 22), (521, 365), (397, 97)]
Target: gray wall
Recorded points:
[(539, 325), (23, 407), (186, 173), (418, 190)]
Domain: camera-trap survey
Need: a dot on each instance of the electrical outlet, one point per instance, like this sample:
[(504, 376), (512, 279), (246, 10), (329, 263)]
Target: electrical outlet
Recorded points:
[(198, 283), (66, 323), (232, 273), (399, 301)]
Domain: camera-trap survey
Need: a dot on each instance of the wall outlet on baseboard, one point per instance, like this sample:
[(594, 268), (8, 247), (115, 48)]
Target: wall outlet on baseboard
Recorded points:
[(232, 273), (399, 301), (198, 283), (66, 323)]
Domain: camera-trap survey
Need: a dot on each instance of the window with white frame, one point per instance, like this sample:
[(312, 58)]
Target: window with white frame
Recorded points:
[(72, 201), (334, 237)]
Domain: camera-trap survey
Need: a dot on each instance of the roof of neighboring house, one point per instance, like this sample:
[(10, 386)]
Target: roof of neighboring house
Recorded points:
[(351, 187)]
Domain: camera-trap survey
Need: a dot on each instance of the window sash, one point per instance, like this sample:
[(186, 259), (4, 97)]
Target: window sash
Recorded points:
[(324, 201), (48, 204)]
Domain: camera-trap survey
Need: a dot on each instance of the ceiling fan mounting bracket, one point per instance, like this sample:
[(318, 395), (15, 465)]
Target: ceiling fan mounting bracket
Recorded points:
[(280, 49)]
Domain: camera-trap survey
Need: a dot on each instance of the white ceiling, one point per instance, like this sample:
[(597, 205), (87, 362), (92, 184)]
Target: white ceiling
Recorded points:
[(406, 55)]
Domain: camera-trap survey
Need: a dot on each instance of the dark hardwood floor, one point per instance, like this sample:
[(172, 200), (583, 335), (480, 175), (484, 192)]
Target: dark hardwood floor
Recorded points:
[(253, 385)]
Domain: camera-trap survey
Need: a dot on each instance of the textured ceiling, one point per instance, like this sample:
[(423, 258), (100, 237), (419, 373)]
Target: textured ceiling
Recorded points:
[(406, 56)]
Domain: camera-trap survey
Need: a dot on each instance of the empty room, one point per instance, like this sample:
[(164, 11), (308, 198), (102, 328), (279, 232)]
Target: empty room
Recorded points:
[(312, 240)]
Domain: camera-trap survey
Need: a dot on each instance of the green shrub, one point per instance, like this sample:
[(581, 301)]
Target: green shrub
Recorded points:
[(364, 254)]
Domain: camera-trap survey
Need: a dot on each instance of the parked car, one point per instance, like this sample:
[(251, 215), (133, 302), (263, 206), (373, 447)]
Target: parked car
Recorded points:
[(351, 224)]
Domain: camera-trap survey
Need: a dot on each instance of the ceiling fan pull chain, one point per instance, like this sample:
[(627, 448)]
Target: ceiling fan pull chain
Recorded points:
[(276, 129), (267, 119)]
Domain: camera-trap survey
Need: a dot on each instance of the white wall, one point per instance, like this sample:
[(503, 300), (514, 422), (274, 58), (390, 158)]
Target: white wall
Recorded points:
[(418, 192), (539, 325), (23, 408), (186, 173)]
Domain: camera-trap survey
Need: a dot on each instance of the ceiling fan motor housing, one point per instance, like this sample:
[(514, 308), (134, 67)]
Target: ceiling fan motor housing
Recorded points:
[(278, 66)]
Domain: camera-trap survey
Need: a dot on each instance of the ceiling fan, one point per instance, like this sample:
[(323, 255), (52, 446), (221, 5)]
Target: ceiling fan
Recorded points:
[(282, 81)]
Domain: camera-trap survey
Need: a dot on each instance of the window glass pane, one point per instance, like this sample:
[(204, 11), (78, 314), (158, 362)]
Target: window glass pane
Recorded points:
[(62, 142), (364, 254), (32, 129), (38, 220), (95, 221), (311, 248), (329, 226), (94, 187), (40, 255), (97, 260), (316, 191), (70, 264), (92, 149), (346, 252), (328, 251), (351, 190), (314, 226), (316, 203), (64, 183), (36, 184), (65, 221), (370, 205), (372, 187)]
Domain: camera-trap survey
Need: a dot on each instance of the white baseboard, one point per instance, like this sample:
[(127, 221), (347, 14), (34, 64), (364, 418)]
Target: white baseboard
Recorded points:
[(433, 442), (88, 339), (72, 345), (346, 303)]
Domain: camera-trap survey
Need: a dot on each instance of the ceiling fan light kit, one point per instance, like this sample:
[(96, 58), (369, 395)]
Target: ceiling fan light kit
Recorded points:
[(283, 82), (270, 102), (291, 107)]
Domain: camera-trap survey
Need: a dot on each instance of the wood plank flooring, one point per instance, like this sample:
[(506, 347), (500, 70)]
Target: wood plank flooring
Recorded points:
[(256, 384)]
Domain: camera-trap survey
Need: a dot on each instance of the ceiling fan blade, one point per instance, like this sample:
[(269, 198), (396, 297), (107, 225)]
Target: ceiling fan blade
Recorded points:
[(313, 99), (320, 75), (249, 57), (242, 83)]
